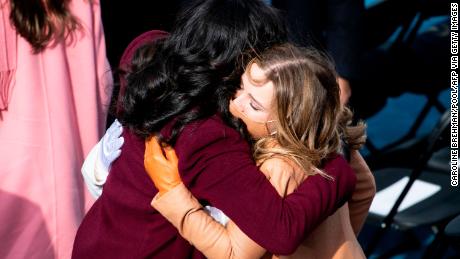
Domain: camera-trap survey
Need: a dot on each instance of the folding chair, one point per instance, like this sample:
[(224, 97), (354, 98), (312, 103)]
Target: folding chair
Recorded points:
[(397, 68), (435, 210), (452, 235), (449, 243)]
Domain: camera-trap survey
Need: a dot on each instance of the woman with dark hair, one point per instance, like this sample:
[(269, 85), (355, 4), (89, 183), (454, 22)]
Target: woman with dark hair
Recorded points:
[(55, 86), (181, 94), (192, 74)]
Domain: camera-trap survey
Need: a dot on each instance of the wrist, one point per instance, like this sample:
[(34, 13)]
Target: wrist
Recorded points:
[(166, 187)]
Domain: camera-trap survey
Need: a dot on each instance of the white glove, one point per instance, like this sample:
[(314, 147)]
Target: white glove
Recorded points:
[(109, 150), (97, 164)]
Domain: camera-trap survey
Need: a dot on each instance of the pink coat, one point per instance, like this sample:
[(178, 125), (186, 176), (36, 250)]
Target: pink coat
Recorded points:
[(56, 113)]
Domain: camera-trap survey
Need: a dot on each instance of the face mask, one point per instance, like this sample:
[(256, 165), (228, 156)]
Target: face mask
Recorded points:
[(257, 129)]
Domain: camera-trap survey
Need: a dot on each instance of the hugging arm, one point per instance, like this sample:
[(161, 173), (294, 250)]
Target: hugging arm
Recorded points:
[(184, 211), (216, 241), (219, 164), (176, 203)]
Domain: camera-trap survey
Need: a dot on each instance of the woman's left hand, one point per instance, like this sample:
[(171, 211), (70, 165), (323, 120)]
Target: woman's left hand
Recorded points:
[(161, 165)]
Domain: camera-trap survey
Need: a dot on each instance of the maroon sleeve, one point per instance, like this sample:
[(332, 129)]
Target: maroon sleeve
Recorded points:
[(217, 166)]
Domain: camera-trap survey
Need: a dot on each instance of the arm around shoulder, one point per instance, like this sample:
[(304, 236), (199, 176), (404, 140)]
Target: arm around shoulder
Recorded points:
[(225, 175)]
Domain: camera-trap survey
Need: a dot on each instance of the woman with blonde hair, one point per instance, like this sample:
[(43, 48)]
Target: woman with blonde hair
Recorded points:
[(55, 87), (289, 100)]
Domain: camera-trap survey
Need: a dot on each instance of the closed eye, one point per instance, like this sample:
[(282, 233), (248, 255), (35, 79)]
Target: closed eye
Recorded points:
[(254, 107)]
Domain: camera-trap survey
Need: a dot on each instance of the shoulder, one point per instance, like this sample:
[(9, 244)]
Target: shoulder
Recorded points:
[(337, 167), (210, 133), (337, 163), (278, 165), (283, 174), (210, 142), (211, 150), (212, 126), (132, 141), (132, 155)]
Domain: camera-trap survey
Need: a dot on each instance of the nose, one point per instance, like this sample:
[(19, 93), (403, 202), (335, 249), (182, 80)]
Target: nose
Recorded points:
[(238, 93), (239, 100)]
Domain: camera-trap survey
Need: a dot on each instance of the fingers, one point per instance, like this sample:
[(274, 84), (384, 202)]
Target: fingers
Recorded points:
[(171, 155), (118, 130), (114, 155), (152, 148), (115, 130), (113, 145), (117, 122), (117, 144), (113, 127), (111, 135)]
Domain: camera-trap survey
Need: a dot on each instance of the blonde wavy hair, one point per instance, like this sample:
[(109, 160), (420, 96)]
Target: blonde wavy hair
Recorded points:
[(310, 122)]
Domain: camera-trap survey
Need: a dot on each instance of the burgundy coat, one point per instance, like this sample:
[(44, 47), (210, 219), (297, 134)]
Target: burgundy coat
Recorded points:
[(216, 165)]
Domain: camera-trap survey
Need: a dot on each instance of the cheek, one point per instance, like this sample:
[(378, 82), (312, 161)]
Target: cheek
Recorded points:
[(258, 116)]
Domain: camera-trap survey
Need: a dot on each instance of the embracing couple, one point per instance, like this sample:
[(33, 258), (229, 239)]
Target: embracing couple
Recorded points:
[(232, 148)]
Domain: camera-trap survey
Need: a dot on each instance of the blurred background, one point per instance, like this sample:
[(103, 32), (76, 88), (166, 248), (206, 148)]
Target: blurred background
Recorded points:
[(396, 59)]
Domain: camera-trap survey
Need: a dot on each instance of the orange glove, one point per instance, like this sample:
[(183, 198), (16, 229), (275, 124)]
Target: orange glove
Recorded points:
[(162, 170)]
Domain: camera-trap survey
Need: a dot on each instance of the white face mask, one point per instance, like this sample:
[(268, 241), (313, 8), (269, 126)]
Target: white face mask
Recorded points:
[(257, 129)]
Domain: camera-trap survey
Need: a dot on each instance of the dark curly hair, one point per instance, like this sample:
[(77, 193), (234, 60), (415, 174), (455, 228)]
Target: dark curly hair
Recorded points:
[(194, 72)]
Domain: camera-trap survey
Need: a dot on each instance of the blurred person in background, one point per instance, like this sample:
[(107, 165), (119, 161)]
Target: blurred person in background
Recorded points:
[(334, 26), (55, 86)]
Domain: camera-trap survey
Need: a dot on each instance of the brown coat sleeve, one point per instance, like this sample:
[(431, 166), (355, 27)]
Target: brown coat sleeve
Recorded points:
[(365, 189), (216, 165), (183, 210)]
